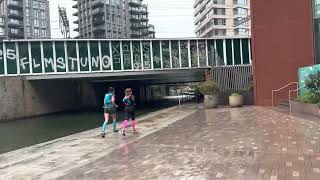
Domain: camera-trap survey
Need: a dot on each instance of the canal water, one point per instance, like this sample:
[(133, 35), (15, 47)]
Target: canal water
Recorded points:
[(27, 132)]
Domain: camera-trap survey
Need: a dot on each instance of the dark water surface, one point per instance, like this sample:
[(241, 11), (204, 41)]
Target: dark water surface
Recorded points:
[(27, 132)]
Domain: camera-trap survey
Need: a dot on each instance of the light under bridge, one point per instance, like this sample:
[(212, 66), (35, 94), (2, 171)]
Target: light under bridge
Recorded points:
[(115, 59)]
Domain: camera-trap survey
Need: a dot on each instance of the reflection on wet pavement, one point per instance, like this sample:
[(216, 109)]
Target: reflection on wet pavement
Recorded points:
[(245, 143)]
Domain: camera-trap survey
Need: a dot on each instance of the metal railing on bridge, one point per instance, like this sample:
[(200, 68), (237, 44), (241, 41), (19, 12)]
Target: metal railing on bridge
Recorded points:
[(41, 57)]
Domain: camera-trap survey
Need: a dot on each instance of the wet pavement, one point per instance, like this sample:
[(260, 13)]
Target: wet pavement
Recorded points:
[(182, 143)]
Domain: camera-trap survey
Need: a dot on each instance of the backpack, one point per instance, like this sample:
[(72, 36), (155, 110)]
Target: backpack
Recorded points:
[(130, 101)]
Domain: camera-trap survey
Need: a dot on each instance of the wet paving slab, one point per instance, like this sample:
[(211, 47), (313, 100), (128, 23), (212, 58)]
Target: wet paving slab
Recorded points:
[(245, 143), (56, 158), (182, 143)]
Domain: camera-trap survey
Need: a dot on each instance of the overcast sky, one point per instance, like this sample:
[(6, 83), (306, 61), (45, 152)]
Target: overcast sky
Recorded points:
[(172, 18)]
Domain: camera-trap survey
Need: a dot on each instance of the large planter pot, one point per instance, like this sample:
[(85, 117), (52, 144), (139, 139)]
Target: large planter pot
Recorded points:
[(236, 101), (211, 101)]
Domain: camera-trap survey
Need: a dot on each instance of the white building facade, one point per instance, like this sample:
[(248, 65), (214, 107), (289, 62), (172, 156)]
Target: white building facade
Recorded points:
[(220, 18)]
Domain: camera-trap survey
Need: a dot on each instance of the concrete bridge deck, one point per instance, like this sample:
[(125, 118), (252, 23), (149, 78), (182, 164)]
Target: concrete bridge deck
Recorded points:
[(181, 143)]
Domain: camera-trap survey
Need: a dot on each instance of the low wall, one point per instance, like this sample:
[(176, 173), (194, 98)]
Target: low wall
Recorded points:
[(303, 108), (20, 98)]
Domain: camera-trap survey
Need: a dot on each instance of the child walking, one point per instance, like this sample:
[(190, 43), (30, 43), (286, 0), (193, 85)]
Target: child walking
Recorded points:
[(109, 110), (129, 110)]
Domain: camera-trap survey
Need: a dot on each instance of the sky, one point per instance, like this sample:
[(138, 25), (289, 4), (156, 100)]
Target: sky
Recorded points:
[(172, 18)]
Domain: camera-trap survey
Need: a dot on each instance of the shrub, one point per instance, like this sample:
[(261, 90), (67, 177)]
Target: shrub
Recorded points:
[(309, 97), (250, 87), (313, 83), (209, 88), (235, 94)]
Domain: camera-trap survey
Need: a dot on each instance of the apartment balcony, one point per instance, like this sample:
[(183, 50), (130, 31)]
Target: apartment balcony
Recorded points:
[(139, 11), (97, 3), (138, 27), (244, 6), (15, 4), (76, 29), (15, 15), (75, 6), (16, 35), (76, 13), (151, 28), (136, 36), (100, 28), (135, 3), (137, 20), (16, 24), (197, 2), (133, 19), (97, 12), (97, 22), (76, 22)]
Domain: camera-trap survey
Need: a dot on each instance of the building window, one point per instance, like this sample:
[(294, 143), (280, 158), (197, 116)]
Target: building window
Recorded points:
[(42, 6), (1, 31), (28, 31), (240, 11), (28, 22), (242, 2), (43, 33), (43, 14), (14, 31), (222, 2), (43, 24), (220, 22), (36, 13), (36, 31), (2, 20), (220, 32), (35, 4), (241, 31), (36, 23), (219, 11), (27, 12), (14, 21)]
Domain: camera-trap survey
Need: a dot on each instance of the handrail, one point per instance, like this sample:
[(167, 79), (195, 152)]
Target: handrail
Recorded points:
[(290, 97), (276, 90)]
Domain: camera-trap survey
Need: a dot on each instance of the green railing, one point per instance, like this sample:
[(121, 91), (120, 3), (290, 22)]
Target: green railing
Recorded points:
[(40, 57)]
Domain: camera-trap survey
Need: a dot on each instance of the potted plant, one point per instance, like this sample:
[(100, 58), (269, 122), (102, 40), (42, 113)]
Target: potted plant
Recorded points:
[(235, 100), (210, 90)]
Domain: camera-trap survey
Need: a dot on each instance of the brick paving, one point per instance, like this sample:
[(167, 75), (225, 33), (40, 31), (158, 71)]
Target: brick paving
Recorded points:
[(249, 143)]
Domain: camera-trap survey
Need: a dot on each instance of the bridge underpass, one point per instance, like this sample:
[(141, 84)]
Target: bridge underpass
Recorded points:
[(49, 76)]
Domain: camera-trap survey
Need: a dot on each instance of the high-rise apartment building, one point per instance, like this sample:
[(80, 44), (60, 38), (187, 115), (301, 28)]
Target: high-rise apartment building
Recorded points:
[(112, 19), (214, 18), (25, 19), (137, 20)]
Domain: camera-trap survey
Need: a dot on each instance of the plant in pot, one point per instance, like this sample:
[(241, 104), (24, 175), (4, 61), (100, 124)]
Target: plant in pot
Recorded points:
[(210, 90), (235, 100)]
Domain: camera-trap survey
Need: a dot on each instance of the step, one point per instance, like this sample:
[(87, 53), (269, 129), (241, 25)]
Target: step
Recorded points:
[(284, 104)]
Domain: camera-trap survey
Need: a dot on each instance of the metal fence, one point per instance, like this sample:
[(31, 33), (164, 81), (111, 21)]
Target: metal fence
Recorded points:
[(233, 78)]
